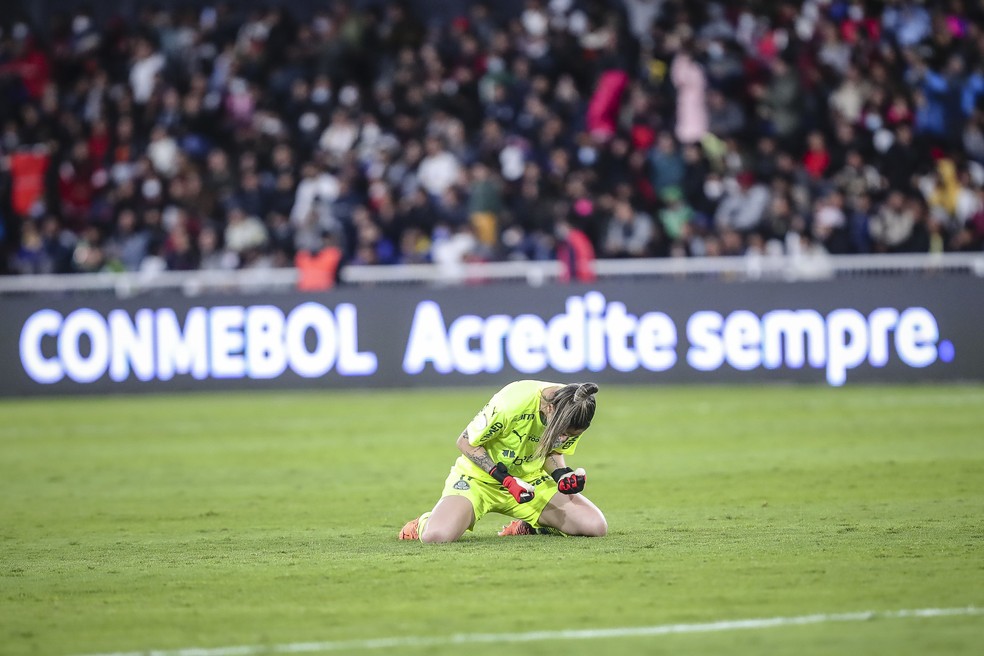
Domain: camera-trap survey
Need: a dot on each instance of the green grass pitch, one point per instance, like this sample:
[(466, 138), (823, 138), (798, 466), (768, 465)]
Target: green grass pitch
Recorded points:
[(262, 519)]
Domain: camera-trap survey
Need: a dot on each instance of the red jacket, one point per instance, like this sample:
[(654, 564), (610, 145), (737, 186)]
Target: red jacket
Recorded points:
[(577, 255)]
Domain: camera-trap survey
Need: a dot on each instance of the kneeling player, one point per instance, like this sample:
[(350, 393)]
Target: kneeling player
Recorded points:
[(513, 462)]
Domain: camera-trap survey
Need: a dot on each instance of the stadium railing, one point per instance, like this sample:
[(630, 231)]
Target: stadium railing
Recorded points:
[(790, 268)]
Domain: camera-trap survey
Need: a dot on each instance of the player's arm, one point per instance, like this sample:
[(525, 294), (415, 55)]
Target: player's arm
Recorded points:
[(518, 488), (555, 461), (569, 481), (476, 454)]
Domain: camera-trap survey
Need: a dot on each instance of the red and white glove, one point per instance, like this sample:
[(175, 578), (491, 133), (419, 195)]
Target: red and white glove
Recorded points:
[(520, 490), (569, 481)]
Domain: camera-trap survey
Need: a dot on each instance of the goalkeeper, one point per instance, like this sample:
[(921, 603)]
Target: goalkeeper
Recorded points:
[(514, 462)]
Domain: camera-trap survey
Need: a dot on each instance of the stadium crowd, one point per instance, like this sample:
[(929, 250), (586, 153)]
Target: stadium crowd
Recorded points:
[(222, 136)]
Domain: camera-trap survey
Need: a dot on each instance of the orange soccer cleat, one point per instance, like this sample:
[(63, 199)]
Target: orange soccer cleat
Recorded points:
[(517, 527), (409, 530)]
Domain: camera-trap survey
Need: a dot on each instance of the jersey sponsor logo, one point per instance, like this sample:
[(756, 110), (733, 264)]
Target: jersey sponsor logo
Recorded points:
[(508, 453), (517, 461), (493, 429), (525, 417), (462, 484)]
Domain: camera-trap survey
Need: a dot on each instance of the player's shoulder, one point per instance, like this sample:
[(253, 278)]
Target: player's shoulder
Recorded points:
[(520, 389), (519, 395)]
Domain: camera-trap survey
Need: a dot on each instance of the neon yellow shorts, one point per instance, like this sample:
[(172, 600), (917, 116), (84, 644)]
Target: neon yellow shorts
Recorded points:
[(489, 496)]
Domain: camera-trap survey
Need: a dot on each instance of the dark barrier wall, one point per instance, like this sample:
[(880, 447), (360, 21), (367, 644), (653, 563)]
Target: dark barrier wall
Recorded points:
[(838, 332)]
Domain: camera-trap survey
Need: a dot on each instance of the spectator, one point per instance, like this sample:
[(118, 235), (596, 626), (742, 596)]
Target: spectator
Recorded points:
[(317, 186), (180, 252), (439, 169), (816, 161), (30, 256), (146, 64), (936, 99), (970, 236), (28, 62), (725, 117), (340, 136), (629, 232), (856, 178), (128, 244), (743, 205), (675, 215), (484, 204), (858, 220), (575, 252), (244, 233), (212, 256), (697, 172), (163, 151), (781, 101), (318, 271), (88, 255), (906, 23), (691, 111), (951, 202), (973, 137), (893, 225), (58, 243), (850, 97), (903, 160), (364, 125), (452, 246), (764, 163), (830, 223), (667, 164), (781, 219)]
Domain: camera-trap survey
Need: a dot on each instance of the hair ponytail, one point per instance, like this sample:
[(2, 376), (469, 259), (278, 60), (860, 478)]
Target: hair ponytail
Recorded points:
[(574, 408), (583, 391)]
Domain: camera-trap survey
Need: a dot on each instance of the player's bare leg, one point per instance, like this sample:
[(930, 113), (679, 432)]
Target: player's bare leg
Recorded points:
[(574, 515), (449, 520)]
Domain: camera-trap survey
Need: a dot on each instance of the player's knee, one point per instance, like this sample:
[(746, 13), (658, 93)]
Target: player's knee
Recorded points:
[(438, 534), (595, 526)]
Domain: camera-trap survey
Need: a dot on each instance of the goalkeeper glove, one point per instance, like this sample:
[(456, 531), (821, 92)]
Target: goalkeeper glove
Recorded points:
[(520, 490), (569, 481)]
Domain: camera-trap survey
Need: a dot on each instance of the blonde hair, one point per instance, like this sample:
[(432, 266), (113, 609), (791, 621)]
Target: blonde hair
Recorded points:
[(574, 408)]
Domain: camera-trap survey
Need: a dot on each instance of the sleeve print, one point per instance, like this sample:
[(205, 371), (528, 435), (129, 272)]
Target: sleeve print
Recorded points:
[(486, 425), (568, 445)]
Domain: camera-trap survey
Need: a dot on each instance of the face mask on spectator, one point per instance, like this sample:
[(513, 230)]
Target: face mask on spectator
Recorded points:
[(208, 18), (883, 140), (349, 95), (320, 95), (151, 188), (308, 122), (713, 188)]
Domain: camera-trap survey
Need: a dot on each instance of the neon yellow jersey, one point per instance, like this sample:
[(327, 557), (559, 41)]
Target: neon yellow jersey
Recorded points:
[(510, 429)]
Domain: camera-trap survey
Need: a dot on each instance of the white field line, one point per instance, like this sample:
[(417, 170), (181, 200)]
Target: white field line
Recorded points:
[(537, 636)]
